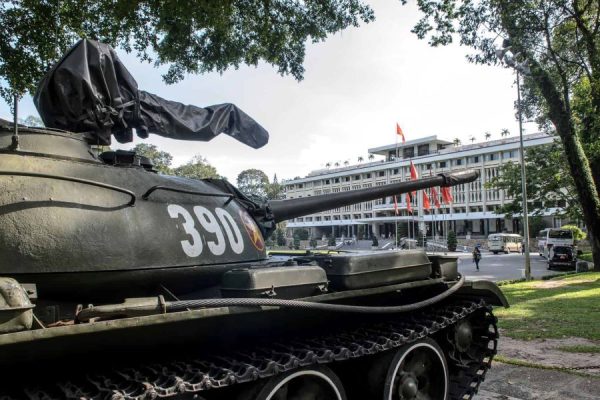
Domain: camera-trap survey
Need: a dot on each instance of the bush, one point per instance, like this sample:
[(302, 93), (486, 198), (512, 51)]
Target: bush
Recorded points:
[(452, 242), (280, 237), (301, 233), (312, 243), (375, 242), (578, 234), (296, 243), (331, 241)]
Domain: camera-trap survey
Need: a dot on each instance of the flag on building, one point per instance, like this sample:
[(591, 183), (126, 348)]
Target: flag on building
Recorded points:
[(395, 205), (436, 200), (408, 207), (426, 204), (446, 195), (400, 133), (413, 175)]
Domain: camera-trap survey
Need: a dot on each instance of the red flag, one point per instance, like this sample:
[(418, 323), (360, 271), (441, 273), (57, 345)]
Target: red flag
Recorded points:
[(395, 205), (446, 195), (413, 172), (399, 132), (426, 204), (413, 175), (408, 207), (436, 200)]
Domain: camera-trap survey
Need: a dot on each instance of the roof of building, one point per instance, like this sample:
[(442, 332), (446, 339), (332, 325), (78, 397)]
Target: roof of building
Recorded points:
[(409, 143)]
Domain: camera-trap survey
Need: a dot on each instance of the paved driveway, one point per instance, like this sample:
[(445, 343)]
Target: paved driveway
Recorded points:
[(501, 266)]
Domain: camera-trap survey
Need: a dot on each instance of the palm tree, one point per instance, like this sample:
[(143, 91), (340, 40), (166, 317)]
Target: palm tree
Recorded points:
[(472, 139), (360, 159), (456, 142), (371, 157), (337, 164), (488, 136), (346, 163), (328, 165), (504, 132)]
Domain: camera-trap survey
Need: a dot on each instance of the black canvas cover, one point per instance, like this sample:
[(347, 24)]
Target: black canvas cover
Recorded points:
[(90, 91)]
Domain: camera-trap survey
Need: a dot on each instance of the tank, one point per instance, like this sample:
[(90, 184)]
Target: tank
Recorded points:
[(117, 282)]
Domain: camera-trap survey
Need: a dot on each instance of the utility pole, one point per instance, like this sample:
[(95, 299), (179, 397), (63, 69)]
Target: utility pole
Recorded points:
[(523, 184)]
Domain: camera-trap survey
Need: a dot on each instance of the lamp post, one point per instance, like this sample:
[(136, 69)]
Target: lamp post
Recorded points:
[(509, 59)]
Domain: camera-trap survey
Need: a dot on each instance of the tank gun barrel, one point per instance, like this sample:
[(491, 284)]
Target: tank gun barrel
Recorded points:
[(287, 209)]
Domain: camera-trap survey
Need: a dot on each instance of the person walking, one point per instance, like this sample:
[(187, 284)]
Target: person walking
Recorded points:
[(476, 256)]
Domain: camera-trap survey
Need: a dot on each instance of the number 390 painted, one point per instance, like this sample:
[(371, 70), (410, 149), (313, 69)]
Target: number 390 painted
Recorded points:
[(194, 246)]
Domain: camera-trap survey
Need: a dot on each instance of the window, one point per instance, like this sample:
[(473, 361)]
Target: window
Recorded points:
[(458, 161), (346, 179), (337, 180), (381, 173), (356, 177), (442, 164), (300, 186), (395, 171), (408, 152), (327, 181), (492, 157), (423, 149)]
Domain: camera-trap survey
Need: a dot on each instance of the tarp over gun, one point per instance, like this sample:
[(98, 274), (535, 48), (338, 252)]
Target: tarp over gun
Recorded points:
[(90, 91)]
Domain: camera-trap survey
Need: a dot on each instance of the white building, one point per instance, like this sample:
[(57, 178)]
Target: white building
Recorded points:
[(472, 212)]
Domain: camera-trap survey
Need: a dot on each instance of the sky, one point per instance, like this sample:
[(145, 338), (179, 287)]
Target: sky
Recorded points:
[(357, 85)]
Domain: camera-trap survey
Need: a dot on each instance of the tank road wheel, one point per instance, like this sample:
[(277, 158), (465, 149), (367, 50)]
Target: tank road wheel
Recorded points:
[(417, 371), (317, 383)]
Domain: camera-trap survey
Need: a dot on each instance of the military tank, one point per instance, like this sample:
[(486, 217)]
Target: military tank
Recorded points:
[(117, 282)]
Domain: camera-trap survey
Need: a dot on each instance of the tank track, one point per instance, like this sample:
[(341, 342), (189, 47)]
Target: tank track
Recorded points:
[(467, 371)]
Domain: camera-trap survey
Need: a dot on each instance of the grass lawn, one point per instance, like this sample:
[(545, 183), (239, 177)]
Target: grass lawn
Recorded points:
[(586, 256), (554, 308)]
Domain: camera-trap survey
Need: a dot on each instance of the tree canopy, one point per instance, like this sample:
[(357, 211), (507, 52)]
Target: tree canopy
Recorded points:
[(197, 168), (555, 44), (161, 159), (190, 36), (547, 186)]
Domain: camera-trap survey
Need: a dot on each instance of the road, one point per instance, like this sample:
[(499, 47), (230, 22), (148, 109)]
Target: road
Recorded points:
[(501, 267)]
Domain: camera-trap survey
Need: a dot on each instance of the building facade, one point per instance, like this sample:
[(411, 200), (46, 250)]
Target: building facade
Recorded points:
[(471, 214)]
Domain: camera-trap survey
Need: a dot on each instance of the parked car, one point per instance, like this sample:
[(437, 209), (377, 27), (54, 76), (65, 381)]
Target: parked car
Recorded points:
[(562, 256)]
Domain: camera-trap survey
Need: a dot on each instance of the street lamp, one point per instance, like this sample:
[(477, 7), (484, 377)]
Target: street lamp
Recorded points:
[(511, 60)]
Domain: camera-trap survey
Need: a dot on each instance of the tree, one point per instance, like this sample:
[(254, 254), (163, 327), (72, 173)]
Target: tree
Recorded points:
[(346, 163), (452, 242), (456, 142), (33, 121), (504, 132), (556, 44), (194, 37), (337, 164), (360, 159), (371, 157), (472, 139), (197, 168), (253, 182), (274, 190), (328, 165), (302, 233), (547, 185), (488, 136), (161, 159)]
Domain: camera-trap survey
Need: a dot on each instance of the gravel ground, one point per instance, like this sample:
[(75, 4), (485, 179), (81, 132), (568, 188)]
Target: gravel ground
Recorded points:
[(511, 382)]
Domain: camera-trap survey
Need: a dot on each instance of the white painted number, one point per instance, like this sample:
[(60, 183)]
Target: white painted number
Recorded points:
[(194, 248), (210, 225), (231, 229)]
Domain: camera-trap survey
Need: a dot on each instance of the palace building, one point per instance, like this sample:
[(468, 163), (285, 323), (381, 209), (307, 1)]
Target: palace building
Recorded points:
[(472, 212)]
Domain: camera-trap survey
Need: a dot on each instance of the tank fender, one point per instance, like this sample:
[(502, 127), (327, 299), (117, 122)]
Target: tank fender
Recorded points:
[(486, 290)]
